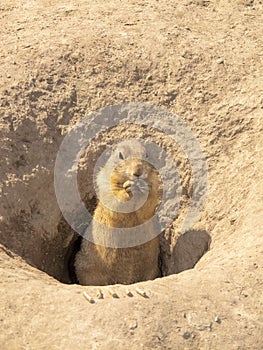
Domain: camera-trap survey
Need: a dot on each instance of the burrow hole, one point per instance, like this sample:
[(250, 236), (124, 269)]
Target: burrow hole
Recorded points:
[(55, 247)]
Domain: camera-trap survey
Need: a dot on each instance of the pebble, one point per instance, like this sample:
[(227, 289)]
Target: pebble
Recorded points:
[(218, 319), (113, 294), (133, 324), (220, 61), (99, 294), (187, 335), (129, 293)]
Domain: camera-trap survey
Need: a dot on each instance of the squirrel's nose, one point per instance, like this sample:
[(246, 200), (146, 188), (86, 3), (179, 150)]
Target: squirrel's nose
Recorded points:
[(137, 171)]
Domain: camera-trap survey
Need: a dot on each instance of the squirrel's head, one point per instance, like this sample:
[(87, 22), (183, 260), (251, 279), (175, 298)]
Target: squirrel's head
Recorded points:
[(128, 171)]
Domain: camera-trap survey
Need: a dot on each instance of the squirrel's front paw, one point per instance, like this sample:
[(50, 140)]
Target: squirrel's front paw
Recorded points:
[(128, 186), (125, 194)]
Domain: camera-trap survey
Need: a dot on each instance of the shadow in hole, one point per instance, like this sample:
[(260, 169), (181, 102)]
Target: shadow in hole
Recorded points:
[(70, 276), (188, 250)]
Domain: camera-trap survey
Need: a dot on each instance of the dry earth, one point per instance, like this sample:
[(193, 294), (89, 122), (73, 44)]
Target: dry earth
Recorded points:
[(199, 59)]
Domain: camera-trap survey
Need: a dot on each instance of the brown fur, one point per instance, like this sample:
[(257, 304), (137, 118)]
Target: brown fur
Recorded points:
[(100, 265)]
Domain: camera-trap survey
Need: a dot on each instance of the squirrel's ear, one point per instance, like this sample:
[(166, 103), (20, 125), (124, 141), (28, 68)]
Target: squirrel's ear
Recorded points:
[(121, 156)]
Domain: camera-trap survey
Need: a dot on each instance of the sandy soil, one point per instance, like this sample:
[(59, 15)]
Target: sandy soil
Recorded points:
[(199, 59)]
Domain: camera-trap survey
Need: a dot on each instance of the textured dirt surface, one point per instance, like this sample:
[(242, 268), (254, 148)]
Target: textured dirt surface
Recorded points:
[(199, 59)]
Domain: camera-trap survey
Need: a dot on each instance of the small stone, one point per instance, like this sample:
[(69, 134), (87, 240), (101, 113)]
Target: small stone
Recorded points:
[(220, 61), (99, 294), (129, 293), (113, 294), (232, 221), (218, 319), (187, 335), (149, 77), (211, 141), (133, 324)]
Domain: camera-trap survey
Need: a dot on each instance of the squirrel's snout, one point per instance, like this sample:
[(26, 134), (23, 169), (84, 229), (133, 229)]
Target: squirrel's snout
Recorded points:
[(137, 172), (137, 169)]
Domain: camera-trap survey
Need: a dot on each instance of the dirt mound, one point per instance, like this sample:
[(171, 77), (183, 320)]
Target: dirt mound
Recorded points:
[(200, 60)]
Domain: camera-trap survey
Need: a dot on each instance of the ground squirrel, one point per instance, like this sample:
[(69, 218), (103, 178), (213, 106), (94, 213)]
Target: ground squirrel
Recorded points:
[(125, 176)]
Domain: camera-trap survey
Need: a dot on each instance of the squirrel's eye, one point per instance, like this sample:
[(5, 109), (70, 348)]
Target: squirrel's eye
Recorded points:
[(121, 155)]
